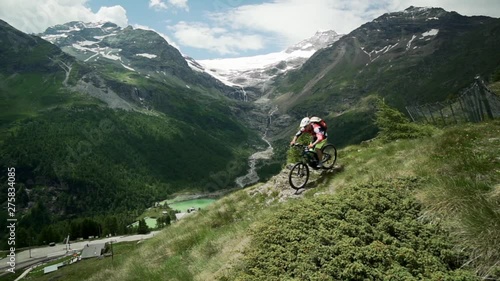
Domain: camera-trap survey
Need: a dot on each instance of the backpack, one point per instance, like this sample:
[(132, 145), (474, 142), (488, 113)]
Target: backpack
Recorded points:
[(320, 122)]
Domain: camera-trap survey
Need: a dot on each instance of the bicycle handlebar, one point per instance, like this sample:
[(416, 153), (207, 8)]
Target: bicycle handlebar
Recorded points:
[(306, 147)]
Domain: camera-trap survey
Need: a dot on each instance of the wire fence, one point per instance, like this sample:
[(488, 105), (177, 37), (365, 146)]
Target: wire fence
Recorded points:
[(476, 104)]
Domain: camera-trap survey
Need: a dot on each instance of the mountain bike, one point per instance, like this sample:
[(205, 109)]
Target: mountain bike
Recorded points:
[(299, 174)]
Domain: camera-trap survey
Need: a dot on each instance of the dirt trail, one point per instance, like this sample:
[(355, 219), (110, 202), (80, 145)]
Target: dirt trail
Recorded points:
[(278, 187)]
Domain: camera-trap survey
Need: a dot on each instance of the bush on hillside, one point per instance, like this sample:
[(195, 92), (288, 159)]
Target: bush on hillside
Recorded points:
[(294, 154), (370, 232), (394, 125)]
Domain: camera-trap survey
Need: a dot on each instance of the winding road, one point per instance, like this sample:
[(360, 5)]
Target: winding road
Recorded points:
[(31, 257)]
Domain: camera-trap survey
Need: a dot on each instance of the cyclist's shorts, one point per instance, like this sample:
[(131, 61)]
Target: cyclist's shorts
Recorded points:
[(320, 144)]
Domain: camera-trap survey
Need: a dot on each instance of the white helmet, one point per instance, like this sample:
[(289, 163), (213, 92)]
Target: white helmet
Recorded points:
[(305, 121)]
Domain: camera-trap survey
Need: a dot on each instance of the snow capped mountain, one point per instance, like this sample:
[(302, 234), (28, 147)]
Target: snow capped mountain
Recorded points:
[(91, 42), (134, 51), (147, 53), (257, 71), (320, 40)]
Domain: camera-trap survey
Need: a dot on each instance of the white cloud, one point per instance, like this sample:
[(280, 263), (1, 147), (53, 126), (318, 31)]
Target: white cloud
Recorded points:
[(35, 16), (161, 5), (231, 29), (286, 21), (216, 39), (115, 14), (182, 4), (157, 4), (295, 20)]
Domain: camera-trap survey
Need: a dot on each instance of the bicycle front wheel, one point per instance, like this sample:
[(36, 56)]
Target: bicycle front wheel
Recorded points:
[(299, 175), (329, 156)]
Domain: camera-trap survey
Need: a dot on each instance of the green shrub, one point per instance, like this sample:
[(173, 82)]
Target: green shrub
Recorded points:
[(369, 232), (294, 154), (394, 125)]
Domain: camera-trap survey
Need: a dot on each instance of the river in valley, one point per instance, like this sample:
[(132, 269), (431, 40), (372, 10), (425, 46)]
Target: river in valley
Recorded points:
[(252, 177)]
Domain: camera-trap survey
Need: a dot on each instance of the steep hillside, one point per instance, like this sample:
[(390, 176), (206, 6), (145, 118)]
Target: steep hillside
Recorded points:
[(411, 57), (23, 88), (376, 217)]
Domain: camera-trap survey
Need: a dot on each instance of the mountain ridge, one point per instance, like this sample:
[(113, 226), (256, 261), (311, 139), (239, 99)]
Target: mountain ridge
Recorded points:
[(406, 57), (257, 71), (144, 52)]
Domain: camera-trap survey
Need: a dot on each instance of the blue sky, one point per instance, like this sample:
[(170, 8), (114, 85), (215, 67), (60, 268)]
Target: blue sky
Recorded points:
[(205, 29)]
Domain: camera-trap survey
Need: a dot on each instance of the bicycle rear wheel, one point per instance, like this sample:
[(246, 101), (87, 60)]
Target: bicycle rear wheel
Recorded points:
[(299, 175), (329, 156)]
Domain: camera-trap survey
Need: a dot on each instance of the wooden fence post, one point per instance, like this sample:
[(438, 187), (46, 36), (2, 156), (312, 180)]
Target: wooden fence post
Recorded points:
[(484, 98), (453, 113)]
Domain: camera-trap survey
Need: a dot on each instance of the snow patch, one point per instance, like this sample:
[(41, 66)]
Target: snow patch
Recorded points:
[(53, 37), (377, 52), (93, 24), (104, 36), (128, 67), (86, 43), (408, 46), (221, 78), (194, 66), (384, 49), (255, 62), (105, 52), (81, 48), (416, 9), (91, 56), (308, 45), (71, 28), (363, 49), (146, 55), (432, 32), (110, 56)]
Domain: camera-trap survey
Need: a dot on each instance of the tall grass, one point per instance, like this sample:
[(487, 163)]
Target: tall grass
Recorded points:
[(463, 192)]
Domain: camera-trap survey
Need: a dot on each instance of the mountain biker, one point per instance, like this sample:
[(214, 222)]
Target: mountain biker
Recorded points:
[(318, 132)]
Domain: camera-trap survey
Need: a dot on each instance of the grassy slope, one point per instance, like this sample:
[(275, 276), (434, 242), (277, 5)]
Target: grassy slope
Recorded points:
[(436, 177)]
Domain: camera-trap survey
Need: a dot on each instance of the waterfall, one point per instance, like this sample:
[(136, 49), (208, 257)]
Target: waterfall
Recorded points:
[(245, 96), (252, 176)]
